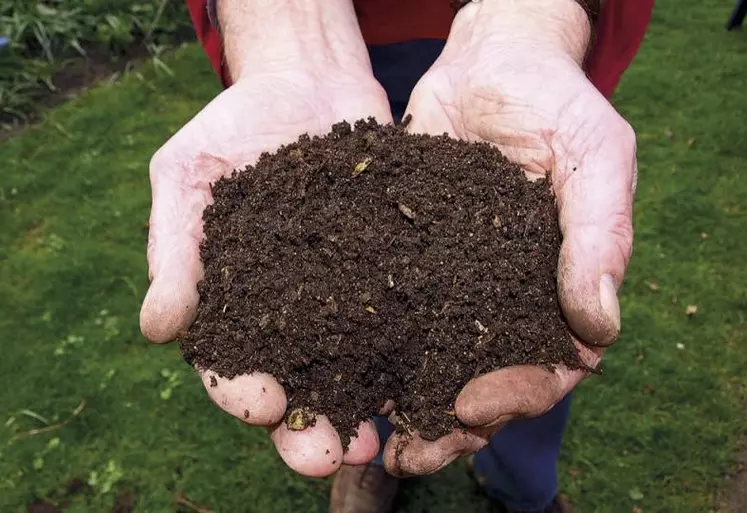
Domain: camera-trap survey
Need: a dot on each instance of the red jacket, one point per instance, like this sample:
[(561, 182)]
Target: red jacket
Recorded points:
[(620, 30)]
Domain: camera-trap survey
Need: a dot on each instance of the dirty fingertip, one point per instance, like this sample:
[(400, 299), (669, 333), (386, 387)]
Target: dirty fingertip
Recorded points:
[(256, 399), (409, 455), (315, 451), (364, 447)]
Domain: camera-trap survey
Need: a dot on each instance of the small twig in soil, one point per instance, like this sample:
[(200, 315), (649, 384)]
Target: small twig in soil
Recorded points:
[(482, 340), (408, 423), (476, 216), (183, 501), (425, 363), (52, 427), (480, 327), (446, 305), (529, 223)]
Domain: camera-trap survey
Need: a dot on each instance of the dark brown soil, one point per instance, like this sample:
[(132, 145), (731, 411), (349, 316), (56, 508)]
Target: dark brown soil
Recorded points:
[(371, 265)]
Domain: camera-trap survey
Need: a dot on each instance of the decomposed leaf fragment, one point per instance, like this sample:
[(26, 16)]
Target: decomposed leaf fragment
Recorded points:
[(406, 211), (361, 166)]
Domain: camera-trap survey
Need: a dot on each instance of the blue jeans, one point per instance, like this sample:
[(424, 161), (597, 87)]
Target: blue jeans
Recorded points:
[(519, 464)]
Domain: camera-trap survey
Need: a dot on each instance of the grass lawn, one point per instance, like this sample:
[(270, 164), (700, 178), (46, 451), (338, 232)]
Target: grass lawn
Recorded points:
[(656, 432)]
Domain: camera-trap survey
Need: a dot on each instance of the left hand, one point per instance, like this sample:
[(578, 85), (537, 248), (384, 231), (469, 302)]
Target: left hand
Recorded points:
[(515, 80)]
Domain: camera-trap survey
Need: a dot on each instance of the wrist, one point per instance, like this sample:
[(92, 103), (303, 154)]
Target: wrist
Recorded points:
[(560, 26), (313, 36)]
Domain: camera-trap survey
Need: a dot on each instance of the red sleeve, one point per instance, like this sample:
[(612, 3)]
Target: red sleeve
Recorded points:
[(621, 28), (208, 37)]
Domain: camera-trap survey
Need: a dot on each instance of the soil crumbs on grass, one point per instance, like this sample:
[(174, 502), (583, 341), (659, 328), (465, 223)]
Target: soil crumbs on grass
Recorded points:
[(372, 264)]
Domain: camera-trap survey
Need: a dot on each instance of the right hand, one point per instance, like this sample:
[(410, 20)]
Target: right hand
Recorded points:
[(257, 114)]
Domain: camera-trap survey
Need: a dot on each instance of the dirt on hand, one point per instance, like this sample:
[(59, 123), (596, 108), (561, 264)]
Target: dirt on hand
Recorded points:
[(372, 264)]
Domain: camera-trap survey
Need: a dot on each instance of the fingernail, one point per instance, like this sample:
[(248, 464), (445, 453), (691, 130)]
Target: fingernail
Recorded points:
[(609, 302)]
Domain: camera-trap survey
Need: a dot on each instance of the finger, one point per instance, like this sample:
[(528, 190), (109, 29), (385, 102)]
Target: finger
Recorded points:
[(522, 391), (364, 446), (594, 186), (411, 455), (509, 393), (532, 394), (427, 109), (181, 191), (256, 399), (314, 452), (486, 404)]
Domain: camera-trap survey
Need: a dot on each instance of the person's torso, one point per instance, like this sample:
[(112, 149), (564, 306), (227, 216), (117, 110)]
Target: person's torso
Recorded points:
[(396, 21), (392, 23), (619, 32)]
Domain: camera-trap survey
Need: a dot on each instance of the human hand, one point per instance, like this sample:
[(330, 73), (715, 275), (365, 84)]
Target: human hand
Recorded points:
[(289, 79), (511, 75)]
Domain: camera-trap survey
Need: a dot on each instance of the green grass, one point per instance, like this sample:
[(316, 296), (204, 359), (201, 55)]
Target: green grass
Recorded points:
[(657, 431)]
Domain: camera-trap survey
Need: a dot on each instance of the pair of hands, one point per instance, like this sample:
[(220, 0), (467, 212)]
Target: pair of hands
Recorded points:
[(527, 96)]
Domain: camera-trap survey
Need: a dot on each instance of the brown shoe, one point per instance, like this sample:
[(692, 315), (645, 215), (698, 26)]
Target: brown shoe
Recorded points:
[(363, 489)]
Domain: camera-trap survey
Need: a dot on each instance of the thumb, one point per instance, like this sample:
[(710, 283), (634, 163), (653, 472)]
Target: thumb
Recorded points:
[(181, 191), (595, 189)]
